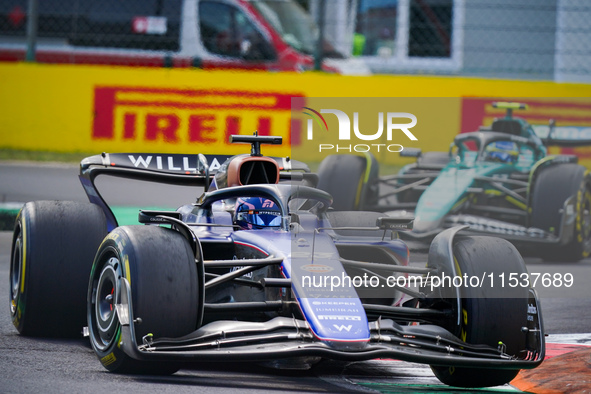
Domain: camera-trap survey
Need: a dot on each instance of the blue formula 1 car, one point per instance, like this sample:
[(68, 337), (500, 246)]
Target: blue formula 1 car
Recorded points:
[(499, 181), (261, 268)]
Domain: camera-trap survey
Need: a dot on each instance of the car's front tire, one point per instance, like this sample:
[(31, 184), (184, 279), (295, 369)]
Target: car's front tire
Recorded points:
[(552, 187), (160, 267), (491, 314)]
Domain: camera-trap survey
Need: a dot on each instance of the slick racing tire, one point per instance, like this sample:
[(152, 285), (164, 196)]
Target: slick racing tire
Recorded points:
[(489, 315), (53, 246), (553, 186), (350, 180), (160, 266)]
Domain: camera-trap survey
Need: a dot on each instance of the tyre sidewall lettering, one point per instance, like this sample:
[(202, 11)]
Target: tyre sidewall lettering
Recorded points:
[(464, 325)]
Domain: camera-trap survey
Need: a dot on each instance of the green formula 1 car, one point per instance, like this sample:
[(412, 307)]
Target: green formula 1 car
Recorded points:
[(498, 180)]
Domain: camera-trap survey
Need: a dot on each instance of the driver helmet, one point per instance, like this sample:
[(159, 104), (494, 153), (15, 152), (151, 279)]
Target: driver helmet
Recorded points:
[(502, 152), (257, 213)]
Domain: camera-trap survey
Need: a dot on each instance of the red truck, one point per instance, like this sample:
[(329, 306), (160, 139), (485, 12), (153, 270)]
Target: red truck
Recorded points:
[(275, 35)]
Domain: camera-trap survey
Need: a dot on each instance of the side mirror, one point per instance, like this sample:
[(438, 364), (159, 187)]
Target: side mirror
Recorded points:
[(394, 224)]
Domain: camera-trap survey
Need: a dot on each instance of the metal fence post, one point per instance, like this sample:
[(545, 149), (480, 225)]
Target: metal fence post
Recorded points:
[(32, 21), (319, 56)]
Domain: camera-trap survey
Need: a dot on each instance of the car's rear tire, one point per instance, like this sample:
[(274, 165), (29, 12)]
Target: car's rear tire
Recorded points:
[(160, 267), (491, 314), (351, 181), (552, 187), (53, 245)]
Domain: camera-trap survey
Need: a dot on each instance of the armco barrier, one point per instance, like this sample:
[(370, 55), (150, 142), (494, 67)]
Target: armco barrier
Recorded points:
[(70, 108)]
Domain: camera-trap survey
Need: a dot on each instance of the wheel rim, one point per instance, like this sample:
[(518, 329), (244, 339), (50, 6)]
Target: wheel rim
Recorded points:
[(104, 323), (16, 270)]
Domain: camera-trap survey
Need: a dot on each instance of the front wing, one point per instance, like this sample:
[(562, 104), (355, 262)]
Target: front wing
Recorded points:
[(480, 225), (283, 337)]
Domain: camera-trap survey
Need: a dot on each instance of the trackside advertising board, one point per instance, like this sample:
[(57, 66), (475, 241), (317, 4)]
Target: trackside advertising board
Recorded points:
[(70, 108)]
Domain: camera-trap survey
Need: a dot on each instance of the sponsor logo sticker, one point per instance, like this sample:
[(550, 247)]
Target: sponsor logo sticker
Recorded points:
[(317, 268)]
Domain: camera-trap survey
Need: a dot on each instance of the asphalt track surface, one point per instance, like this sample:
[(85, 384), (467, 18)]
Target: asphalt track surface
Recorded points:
[(52, 365)]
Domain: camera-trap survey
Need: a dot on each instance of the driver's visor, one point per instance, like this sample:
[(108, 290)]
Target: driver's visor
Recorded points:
[(260, 218)]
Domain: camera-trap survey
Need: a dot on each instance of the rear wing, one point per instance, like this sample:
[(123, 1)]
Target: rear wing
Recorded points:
[(566, 136), (195, 165), (183, 169), (173, 169)]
